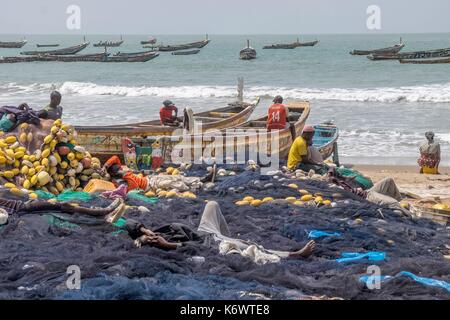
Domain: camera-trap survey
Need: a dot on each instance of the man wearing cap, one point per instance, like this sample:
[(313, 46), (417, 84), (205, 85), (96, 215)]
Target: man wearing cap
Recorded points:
[(301, 156), (168, 114), (278, 115), (53, 110)]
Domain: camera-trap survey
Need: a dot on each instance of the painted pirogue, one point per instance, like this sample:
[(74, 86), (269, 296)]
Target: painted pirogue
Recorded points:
[(424, 54), (248, 141), (105, 141), (18, 44), (390, 50), (95, 57), (193, 45), (63, 51)]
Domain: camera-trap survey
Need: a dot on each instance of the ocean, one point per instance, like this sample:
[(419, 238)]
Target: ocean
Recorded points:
[(382, 108)]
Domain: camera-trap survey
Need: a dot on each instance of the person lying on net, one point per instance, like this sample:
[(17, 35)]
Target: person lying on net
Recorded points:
[(111, 213), (135, 181), (384, 193), (212, 229)]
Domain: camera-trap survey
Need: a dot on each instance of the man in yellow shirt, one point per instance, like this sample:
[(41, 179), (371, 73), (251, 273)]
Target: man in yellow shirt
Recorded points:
[(298, 154)]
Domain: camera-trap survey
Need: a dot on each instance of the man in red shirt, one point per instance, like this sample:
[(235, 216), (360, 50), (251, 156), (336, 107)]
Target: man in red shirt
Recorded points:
[(168, 114), (278, 114)]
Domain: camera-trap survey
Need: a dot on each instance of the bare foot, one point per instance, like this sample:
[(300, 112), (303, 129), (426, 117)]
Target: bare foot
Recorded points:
[(305, 252), (116, 214)]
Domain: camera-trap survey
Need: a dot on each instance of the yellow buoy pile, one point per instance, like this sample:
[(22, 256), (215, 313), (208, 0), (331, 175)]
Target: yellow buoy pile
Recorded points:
[(306, 198), (171, 194), (52, 168)]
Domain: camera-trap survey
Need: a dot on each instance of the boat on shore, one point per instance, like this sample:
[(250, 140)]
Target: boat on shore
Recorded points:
[(47, 45), (247, 141), (185, 53), (106, 141), (64, 51), (390, 50), (248, 53), (187, 46), (13, 44), (426, 61), (109, 44), (425, 54), (325, 140), (149, 41)]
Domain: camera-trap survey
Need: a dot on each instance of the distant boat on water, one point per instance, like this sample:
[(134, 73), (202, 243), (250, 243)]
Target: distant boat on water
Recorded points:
[(47, 45), (109, 44), (149, 41), (179, 47), (389, 50), (64, 51), (13, 44), (248, 53), (292, 45)]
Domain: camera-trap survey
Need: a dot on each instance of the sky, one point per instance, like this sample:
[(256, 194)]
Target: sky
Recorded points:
[(222, 16)]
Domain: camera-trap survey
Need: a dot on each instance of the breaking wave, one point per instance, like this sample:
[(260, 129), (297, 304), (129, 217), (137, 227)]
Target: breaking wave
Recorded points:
[(437, 93)]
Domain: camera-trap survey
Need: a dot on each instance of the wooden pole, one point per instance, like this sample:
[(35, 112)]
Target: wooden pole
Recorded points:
[(240, 90)]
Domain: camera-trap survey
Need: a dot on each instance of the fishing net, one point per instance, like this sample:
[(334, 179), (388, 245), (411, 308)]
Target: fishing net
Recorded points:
[(69, 195), (36, 252)]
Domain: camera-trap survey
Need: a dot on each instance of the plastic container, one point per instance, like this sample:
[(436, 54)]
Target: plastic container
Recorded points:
[(97, 185)]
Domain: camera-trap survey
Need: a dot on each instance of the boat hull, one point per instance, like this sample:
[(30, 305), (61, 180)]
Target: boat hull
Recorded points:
[(439, 53), (248, 141), (106, 141), (325, 138), (64, 51), (12, 45), (194, 45), (391, 50)]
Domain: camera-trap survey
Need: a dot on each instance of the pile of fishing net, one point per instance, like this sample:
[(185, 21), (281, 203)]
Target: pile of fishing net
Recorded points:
[(45, 157), (37, 249)]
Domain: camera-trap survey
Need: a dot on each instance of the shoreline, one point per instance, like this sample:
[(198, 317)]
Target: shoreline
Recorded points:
[(408, 178)]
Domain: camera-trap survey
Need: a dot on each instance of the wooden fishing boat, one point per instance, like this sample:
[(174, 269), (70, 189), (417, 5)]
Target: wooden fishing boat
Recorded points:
[(248, 53), (185, 53), (143, 57), (193, 45), (64, 51), (425, 61), (18, 44), (127, 54), (105, 141), (426, 54), (307, 44), (149, 41), (94, 57), (109, 44), (281, 46), (325, 140), (390, 50), (18, 59), (248, 141), (47, 45)]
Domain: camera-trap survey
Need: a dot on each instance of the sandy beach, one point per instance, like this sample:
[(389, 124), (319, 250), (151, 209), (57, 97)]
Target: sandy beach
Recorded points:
[(410, 180)]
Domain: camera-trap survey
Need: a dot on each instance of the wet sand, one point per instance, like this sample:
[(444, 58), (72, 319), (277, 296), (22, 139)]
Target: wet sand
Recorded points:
[(410, 180)]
